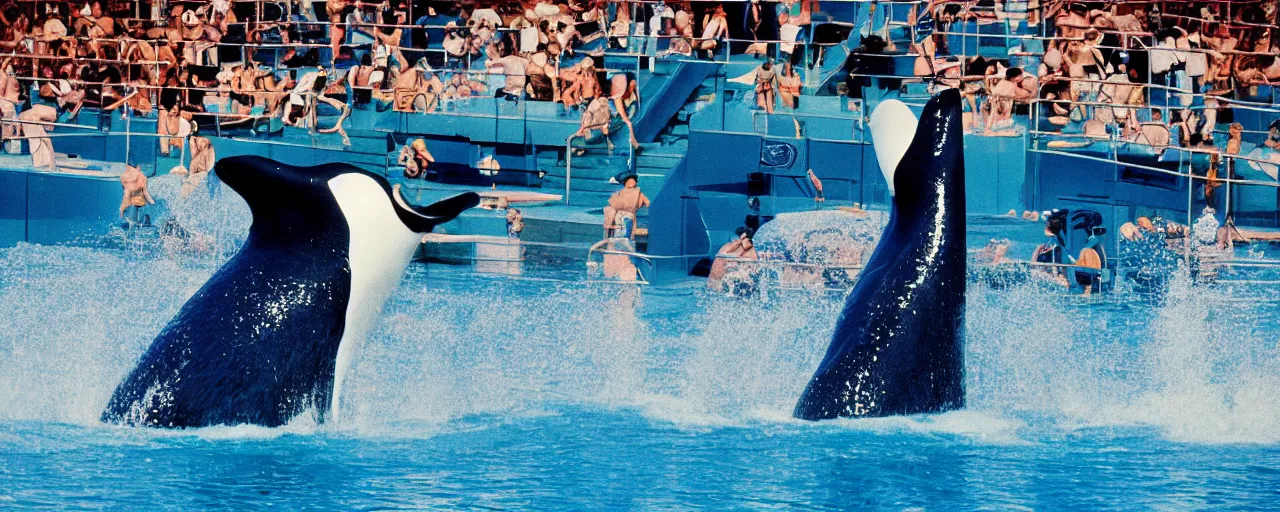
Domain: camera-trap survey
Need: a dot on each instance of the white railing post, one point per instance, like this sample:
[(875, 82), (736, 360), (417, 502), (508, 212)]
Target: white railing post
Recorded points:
[(568, 167)]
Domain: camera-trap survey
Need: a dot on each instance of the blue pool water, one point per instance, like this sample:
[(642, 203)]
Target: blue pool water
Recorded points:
[(545, 391)]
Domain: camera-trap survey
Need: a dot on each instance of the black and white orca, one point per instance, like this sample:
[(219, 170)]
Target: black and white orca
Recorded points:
[(898, 347), (274, 332)]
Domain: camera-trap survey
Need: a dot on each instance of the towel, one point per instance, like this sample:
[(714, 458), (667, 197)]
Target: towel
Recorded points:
[(788, 32), (529, 39), (1264, 153)]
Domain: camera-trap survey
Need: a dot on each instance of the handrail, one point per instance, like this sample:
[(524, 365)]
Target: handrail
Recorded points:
[(1170, 147), (1189, 174)]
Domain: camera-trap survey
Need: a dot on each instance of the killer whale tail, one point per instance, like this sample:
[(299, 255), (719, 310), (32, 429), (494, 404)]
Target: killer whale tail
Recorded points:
[(898, 344)]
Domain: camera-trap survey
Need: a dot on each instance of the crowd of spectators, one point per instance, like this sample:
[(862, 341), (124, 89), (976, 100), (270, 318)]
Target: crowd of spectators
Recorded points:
[(1155, 73), (245, 62)]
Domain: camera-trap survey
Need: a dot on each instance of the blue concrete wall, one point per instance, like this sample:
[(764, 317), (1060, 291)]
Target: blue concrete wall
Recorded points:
[(995, 174), (1069, 182), (46, 208)]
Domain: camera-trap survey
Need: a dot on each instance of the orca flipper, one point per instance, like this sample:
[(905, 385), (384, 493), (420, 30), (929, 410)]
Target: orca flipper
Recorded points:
[(423, 219)]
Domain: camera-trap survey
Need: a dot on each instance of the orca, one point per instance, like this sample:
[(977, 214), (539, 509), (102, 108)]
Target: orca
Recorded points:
[(275, 330), (898, 346)]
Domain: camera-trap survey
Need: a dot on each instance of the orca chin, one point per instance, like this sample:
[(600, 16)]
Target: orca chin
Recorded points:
[(273, 333), (898, 346)]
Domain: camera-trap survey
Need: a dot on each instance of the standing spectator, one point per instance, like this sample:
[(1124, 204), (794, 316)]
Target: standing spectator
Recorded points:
[(715, 28), (136, 195), (512, 66), (42, 155), (337, 11), (620, 214), (766, 85), (625, 100)]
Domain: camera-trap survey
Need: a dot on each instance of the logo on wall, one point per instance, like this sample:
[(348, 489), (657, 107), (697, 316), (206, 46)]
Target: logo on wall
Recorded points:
[(777, 154)]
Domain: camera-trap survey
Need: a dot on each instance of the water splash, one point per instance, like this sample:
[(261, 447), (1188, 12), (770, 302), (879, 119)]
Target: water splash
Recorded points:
[(1199, 367)]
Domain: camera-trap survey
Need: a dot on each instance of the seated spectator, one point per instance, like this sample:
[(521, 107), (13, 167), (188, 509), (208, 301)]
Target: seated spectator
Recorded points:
[(1154, 133), (581, 84), (1095, 128), (542, 73), (927, 62), (1119, 91), (593, 124), (460, 86), (789, 84), (1189, 127), (456, 41), (1006, 90), (202, 156), (408, 90)]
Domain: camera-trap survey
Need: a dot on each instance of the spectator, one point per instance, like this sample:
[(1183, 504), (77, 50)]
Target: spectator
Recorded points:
[(416, 159), (740, 248), (512, 66), (625, 100), (337, 11), (581, 84), (202, 156), (34, 129), (766, 86), (542, 72), (789, 83), (1155, 133), (593, 123), (620, 213), (715, 28), (136, 195)]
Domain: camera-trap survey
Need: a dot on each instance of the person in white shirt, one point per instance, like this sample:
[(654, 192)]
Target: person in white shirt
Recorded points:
[(1165, 60)]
